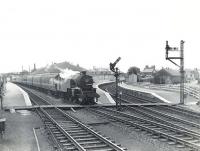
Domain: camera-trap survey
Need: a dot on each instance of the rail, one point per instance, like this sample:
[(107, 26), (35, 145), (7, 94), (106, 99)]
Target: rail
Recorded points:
[(171, 133), (73, 130)]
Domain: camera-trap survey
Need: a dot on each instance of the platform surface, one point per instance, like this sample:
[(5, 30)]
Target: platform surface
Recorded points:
[(172, 97), (104, 98), (14, 96), (19, 134)]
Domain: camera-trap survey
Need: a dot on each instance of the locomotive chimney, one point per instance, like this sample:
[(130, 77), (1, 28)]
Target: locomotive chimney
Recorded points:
[(34, 67), (83, 72)]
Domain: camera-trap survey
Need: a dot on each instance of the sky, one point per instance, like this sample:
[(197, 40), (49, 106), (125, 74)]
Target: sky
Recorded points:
[(96, 32)]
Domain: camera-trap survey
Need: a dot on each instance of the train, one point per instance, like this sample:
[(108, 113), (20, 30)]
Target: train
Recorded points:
[(76, 87)]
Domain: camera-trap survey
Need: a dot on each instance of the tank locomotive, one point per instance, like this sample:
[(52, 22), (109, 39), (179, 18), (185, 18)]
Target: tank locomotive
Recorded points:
[(76, 87)]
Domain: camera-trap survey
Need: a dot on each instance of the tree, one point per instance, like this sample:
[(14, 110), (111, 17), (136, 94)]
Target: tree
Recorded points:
[(133, 70)]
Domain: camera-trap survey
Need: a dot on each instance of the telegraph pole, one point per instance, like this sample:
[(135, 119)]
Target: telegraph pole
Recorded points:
[(181, 66), (116, 74), (1, 94), (182, 72)]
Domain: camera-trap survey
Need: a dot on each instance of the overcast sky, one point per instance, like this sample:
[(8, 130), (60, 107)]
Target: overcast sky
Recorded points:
[(94, 33)]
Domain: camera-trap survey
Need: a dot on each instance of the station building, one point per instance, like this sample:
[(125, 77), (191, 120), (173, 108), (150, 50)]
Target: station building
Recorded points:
[(167, 76)]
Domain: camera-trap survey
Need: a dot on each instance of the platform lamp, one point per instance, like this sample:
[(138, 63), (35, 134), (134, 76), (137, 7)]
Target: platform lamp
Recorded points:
[(116, 74), (181, 66)]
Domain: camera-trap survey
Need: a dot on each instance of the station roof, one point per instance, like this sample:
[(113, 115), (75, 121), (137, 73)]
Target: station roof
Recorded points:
[(149, 70), (171, 72)]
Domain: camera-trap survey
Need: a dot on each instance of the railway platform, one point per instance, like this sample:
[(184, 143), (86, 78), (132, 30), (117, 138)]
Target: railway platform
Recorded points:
[(166, 96), (18, 134), (15, 96), (104, 98)]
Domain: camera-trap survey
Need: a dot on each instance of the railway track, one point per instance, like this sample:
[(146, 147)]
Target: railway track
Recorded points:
[(180, 111), (170, 133), (74, 135), (35, 98), (163, 126), (130, 97), (68, 133), (159, 116)]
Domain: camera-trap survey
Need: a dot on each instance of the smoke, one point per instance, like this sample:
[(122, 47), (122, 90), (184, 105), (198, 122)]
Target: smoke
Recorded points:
[(66, 73), (47, 67)]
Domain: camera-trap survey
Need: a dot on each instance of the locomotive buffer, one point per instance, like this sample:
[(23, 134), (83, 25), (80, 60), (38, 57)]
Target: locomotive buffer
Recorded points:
[(116, 74)]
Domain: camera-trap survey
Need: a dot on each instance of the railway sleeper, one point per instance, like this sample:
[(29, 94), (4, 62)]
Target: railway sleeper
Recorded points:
[(58, 119), (61, 137), (86, 139), (179, 135), (172, 142), (86, 143), (83, 136), (63, 140), (47, 122), (145, 124), (68, 124), (179, 145), (188, 138), (56, 132), (65, 123), (163, 139), (95, 147), (153, 126), (73, 126), (173, 134), (76, 131), (60, 134), (196, 141), (55, 129), (68, 128), (79, 134), (70, 148), (156, 136), (73, 130), (158, 128)]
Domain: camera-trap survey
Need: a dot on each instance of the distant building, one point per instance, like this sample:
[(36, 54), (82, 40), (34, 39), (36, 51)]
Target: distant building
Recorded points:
[(167, 76), (149, 71), (101, 74), (132, 78), (147, 75), (190, 75), (196, 73)]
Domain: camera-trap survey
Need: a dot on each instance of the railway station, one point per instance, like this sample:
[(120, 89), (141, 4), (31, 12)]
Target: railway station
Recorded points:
[(24, 109), (99, 75), (66, 107)]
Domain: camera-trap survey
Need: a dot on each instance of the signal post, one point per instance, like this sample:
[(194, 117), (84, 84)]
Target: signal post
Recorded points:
[(116, 74), (181, 66)]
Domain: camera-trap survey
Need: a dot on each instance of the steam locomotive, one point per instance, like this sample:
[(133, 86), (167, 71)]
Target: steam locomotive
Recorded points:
[(76, 87)]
